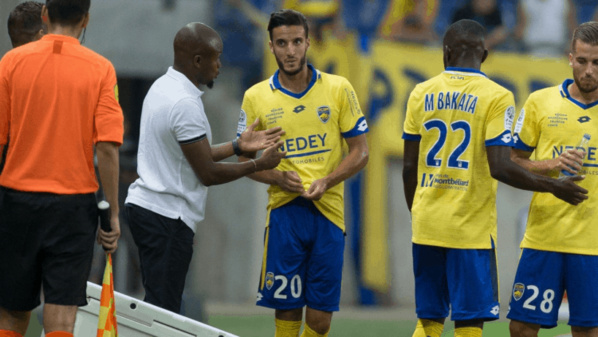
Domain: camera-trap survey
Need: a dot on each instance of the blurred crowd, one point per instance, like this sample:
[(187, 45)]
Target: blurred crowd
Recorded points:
[(540, 28)]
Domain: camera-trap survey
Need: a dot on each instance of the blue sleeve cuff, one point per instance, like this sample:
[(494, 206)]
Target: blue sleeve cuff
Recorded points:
[(504, 139), (360, 128), (407, 136), (519, 145)]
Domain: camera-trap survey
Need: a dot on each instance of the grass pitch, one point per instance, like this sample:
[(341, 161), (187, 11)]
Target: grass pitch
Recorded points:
[(263, 326)]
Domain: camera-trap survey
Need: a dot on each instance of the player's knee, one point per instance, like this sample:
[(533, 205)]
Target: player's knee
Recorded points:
[(584, 331), (319, 321), (321, 327), (520, 329)]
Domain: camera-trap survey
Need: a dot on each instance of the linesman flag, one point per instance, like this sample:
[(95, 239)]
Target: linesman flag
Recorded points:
[(107, 319)]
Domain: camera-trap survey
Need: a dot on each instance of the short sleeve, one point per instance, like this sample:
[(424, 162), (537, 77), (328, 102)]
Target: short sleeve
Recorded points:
[(188, 121), (411, 125), (525, 131), (500, 121), (351, 120), (109, 120), (247, 115)]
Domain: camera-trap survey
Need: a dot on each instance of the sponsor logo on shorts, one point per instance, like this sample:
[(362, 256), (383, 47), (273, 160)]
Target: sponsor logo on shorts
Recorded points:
[(495, 310), (269, 280), (518, 290)]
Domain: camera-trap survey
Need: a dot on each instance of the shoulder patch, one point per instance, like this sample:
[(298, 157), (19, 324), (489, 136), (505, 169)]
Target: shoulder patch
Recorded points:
[(509, 117), (242, 125), (520, 119)]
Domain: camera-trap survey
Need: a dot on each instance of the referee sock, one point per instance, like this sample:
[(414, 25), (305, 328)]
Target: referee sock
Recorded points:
[(9, 333), (428, 328), (287, 328), (59, 334), (308, 332), (469, 331)]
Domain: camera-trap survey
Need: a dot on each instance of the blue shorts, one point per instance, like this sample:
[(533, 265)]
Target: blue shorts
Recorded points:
[(464, 280), (303, 259), (541, 280)]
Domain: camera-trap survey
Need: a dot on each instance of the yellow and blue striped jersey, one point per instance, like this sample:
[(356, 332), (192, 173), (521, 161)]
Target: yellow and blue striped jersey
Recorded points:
[(315, 121), (551, 122), (455, 116)]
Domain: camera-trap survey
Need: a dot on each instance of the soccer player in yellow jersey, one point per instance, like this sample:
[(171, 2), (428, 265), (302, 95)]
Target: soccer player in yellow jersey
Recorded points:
[(304, 238), (559, 247), (457, 138)]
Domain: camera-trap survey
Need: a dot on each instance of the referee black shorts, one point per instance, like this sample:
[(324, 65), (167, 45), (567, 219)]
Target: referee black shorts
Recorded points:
[(45, 239)]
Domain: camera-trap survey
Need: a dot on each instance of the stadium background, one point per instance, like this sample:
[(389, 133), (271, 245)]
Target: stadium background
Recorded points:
[(136, 35)]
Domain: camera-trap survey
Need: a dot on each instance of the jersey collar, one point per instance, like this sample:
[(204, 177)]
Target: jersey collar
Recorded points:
[(469, 71), (180, 77), (564, 90), (275, 83), (59, 37)]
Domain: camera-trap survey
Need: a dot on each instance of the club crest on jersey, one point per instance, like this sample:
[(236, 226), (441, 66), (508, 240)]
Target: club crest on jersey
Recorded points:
[(299, 108), (269, 280), (518, 290), (583, 119), (324, 113)]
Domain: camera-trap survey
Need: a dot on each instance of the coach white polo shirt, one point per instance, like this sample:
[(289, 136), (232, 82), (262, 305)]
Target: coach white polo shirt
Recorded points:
[(172, 114)]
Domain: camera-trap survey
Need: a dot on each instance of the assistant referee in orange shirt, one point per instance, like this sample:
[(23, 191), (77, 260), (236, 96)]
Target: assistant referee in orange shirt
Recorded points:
[(58, 100)]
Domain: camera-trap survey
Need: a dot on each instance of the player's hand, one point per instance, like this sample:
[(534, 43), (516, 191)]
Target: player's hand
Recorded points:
[(291, 182), (570, 160), (567, 190), (270, 158), (252, 141), (109, 240), (316, 190)]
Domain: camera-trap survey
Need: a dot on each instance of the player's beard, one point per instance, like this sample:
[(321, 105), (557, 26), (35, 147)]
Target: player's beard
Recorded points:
[(294, 72), (586, 87), (210, 84)]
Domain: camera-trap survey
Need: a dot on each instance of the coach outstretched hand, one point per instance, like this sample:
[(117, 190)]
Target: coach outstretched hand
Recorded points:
[(252, 141), (270, 158)]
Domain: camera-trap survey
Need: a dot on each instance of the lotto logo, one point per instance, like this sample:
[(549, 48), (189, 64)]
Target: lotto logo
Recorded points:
[(506, 138), (495, 310), (363, 126)]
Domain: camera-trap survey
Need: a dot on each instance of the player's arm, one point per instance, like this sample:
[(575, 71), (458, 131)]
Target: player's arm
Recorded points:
[(249, 141), (109, 129), (410, 160), (351, 164), (502, 168), (200, 157), (107, 154), (570, 160)]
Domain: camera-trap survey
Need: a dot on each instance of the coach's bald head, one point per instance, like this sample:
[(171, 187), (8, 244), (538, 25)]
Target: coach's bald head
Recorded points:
[(463, 45), (197, 49)]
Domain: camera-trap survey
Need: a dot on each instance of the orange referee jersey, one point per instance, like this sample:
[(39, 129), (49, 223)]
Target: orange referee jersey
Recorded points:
[(57, 98)]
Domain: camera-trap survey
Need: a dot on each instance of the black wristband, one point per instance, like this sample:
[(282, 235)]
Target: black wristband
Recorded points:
[(236, 147)]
